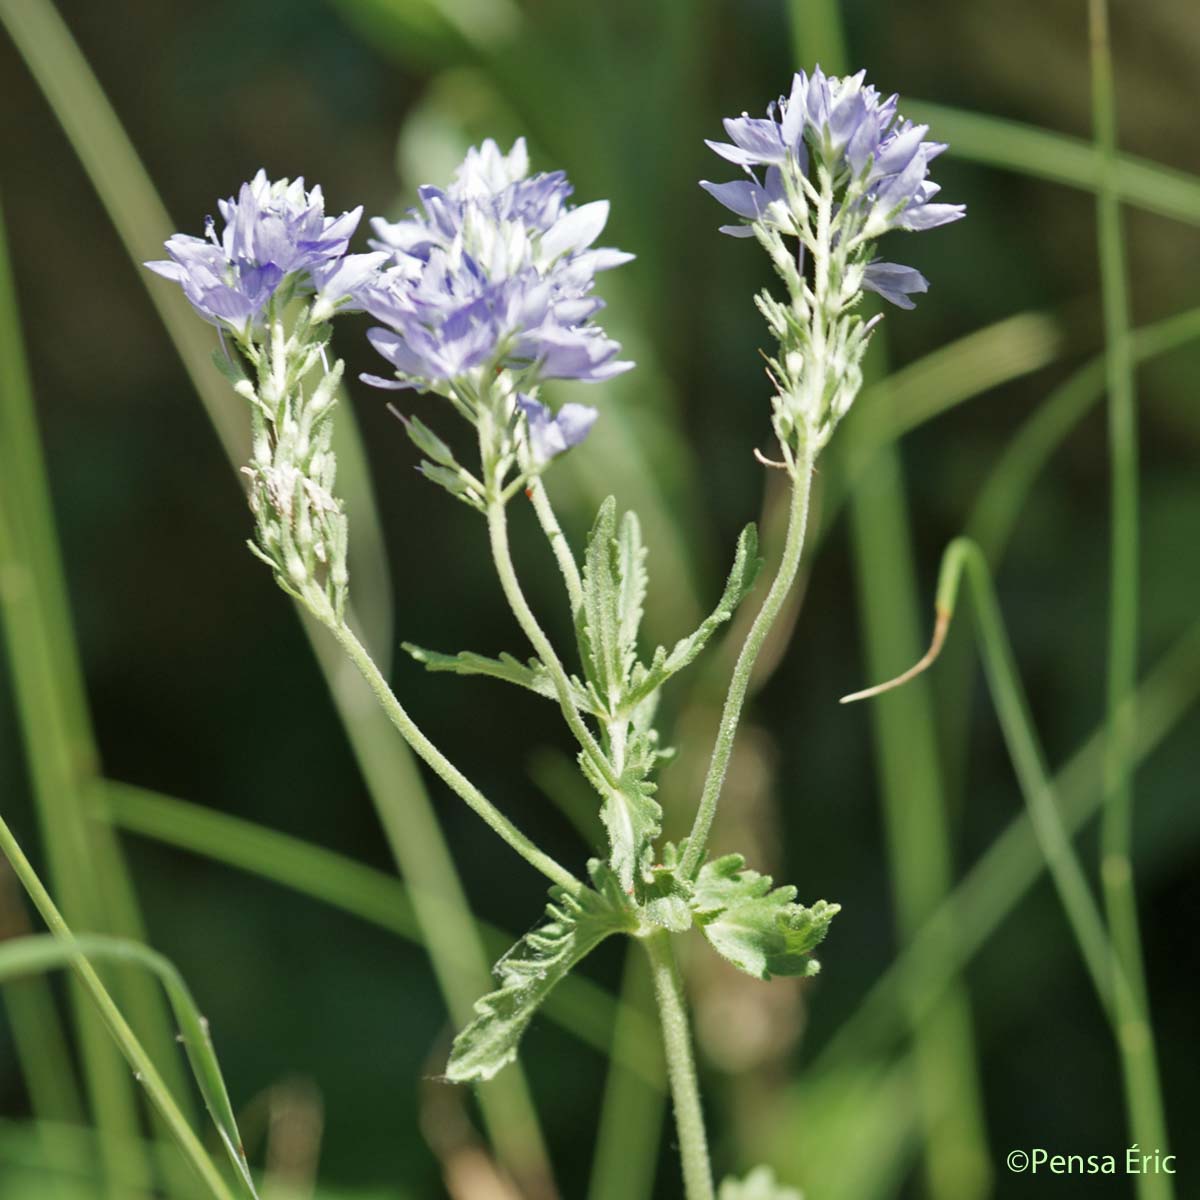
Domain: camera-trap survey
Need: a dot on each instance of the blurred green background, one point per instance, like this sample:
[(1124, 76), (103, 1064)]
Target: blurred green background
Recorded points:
[(201, 685)]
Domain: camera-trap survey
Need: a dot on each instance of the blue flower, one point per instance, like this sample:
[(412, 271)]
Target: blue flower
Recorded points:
[(877, 164), (273, 232), (894, 282), (496, 271), (551, 434)]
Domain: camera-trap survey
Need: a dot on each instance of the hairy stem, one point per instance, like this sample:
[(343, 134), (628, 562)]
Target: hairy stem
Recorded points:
[(744, 668), (558, 543), (497, 520), (681, 1067), (446, 770)]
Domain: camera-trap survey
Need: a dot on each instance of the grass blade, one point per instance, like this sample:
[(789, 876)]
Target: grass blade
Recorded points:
[(937, 383), (1059, 158), (63, 949), (45, 952), (1143, 1091), (85, 860), (1008, 869)]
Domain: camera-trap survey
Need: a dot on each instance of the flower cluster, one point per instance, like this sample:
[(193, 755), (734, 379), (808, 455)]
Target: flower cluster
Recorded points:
[(834, 165), (276, 242), (276, 246), (494, 272)]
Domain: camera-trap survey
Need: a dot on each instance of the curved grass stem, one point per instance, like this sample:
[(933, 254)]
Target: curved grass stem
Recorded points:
[(145, 1070), (1116, 994)]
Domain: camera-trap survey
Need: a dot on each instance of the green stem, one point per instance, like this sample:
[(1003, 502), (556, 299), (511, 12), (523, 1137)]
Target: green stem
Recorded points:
[(446, 770), (681, 1067), (1134, 1034), (497, 519), (1029, 762), (558, 543), (144, 1069), (744, 668)]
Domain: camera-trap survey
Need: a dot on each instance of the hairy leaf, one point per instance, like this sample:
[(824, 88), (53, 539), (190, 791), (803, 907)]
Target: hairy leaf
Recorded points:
[(600, 617), (664, 664), (631, 589), (666, 895), (629, 811), (761, 930), (532, 675), (573, 928), (760, 1184)]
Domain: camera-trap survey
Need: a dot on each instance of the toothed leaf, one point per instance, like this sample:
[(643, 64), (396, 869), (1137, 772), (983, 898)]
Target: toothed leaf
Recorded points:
[(526, 974), (600, 616), (631, 815), (666, 896), (761, 930), (532, 676), (664, 664), (631, 589)]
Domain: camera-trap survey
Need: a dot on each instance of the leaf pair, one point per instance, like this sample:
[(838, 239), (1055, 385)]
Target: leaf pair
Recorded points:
[(623, 690)]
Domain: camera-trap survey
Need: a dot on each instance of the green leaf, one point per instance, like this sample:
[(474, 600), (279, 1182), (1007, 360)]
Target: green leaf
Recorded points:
[(666, 896), (631, 588), (631, 815), (572, 929), (760, 1184), (600, 630), (761, 931), (532, 676), (742, 576)]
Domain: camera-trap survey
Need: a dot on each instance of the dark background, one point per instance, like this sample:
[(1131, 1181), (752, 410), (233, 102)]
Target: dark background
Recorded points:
[(201, 683)]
